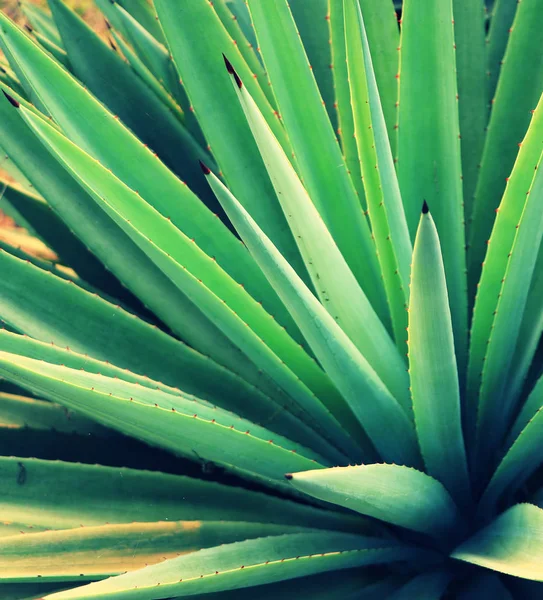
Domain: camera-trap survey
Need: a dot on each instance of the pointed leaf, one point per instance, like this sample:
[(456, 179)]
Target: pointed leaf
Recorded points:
[(182, 425), (398, 495), (501, 19), (512, 544), (93, 495), (197, 37), (429, 163), (384, 420), (336, 286), (499, 248), (112, 81), (88, 123), (519, 89), (315, 147), (382, 193), (494, 408), (432, 366)]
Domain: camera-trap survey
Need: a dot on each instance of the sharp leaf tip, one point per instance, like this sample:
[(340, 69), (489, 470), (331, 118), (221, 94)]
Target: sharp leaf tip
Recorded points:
[(11, 99), (205, 169), (232, 71)]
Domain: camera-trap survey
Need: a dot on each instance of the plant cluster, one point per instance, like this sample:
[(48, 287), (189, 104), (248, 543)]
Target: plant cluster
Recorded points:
[(278, 331)]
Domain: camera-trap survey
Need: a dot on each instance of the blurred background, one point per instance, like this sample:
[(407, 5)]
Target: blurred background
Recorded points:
[(85, 8)]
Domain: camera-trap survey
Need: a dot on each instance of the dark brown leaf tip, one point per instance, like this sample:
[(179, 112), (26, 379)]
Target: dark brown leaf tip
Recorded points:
[(288, 476), (12, 100), (232, 71), (425, 208), (206, 170)]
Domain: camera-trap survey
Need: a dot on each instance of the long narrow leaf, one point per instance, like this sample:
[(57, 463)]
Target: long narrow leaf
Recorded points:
[(397, 495), (429, 162), (432, 366), (382, 192), (519, 89), (316, 150), (244, 564), (336, 286), (382, 417)]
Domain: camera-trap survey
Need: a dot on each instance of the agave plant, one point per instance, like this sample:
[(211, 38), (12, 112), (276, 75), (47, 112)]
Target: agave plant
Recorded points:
[(266, 349)]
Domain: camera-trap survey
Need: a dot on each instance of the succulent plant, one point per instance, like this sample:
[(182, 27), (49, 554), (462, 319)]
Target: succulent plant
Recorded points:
[(256, 342)]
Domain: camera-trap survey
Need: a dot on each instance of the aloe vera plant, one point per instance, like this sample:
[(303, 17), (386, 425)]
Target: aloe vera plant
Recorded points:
[(274, 330)]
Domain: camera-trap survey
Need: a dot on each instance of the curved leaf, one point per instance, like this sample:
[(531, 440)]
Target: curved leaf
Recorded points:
[(382, 417), (394, 494), (62, 495), (334, 282), (182, 425), (512, 544), (315, 147), (90, 553), (245, 564)]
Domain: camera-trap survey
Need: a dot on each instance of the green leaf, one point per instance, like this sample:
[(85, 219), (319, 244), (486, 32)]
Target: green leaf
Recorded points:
[(383, 34), (387, 216), (93, 495), (383, 419), (54, 233), (42, 21), (336, 286), (222, 300), (529, 335), (58, 53), (312, 24), (317, 153), (70, 317), (511, 544), (352, 584), (501, 19), (245, 564), (499, 248), (88, 123), (90, 553), (432, 366), (197, 37), (8, 77), (429, 162), (246, 49), (181, 424), (150, 80), (145, 14), (519, 89), (471, 69), (112, 81), (157, 59), (398, 495), (495, 408), (523, 454), (384, 38), (114, 248), (345, 130)]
